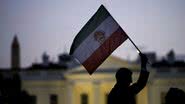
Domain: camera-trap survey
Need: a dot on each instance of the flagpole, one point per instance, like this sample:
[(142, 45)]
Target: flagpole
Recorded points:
[(134, 44)]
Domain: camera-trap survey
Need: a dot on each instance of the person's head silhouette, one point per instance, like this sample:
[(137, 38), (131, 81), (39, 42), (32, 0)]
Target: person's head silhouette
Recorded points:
[(124, 76), (175, 96)]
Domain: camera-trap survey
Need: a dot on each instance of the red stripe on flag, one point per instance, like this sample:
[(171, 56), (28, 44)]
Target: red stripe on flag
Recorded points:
[(115, 40)]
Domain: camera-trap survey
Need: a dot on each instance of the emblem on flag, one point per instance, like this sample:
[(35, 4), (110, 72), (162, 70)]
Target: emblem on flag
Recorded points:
[(99, 36)]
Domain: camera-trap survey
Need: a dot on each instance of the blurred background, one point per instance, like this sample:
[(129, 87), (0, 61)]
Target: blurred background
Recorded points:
[(36, 36)]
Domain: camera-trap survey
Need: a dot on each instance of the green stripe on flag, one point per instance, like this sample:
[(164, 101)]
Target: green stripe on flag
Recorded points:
[(89, 27)]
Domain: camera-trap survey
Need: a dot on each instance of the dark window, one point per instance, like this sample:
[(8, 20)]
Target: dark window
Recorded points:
[(33, 99), (84, 99), (135, 99), (106, 98), (53, 99), (163, 94)]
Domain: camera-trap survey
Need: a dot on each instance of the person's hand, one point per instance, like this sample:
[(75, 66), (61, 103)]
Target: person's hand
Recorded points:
[(144, 60)]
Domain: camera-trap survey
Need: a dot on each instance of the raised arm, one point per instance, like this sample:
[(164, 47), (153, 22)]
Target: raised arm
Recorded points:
[(143, 77)]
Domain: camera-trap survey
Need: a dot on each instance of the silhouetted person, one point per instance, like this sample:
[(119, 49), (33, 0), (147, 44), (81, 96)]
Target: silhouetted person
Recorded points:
[(175, 96), (123, 92)]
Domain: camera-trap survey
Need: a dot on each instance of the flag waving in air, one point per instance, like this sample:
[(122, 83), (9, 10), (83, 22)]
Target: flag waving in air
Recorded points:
[(100, 36)]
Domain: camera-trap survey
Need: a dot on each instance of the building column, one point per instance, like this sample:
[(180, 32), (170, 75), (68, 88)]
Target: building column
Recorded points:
[(96, 88), (69, 91)]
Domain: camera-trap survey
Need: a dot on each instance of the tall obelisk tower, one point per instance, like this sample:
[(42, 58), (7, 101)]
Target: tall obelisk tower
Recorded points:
[(15, 54)]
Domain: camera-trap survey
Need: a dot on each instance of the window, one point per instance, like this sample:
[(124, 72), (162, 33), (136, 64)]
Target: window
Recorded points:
[(135, 99), (106, 98), (163, 94), (33, 99), (53, 99), (84, 98)]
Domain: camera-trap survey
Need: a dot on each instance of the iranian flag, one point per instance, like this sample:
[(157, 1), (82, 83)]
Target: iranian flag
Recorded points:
[(97, 40)]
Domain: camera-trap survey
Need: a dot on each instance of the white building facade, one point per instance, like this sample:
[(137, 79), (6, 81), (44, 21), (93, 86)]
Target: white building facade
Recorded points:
[(76, 86)]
